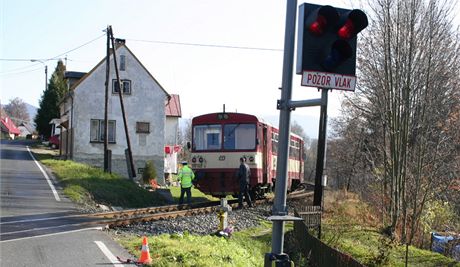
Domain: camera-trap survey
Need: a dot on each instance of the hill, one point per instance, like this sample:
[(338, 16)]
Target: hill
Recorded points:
[(32, 110)]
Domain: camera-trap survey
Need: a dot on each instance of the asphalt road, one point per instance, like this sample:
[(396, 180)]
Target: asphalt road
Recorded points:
[(38, 225)]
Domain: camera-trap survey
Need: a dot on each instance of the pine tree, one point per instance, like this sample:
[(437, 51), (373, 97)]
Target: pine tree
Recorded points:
[(49, 102)]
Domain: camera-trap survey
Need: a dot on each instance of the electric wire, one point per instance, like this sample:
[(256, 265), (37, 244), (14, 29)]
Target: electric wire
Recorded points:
[(134, 40), (208, 45), (44, 60)]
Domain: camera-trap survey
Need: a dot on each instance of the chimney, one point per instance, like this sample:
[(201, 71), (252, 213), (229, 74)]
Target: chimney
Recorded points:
[(119, 42)]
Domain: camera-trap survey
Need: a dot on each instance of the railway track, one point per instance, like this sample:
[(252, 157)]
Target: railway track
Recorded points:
[(26, 226), (126, 217)]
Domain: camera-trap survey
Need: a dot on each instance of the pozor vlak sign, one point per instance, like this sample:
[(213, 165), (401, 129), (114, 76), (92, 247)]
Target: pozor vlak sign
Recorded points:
[(328, 80), (326, 48)]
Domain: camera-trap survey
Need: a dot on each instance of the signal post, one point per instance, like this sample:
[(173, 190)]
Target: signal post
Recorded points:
[(326, 59)]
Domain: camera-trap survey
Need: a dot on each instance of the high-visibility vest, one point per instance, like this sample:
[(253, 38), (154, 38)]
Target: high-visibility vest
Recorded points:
[(186, 177)]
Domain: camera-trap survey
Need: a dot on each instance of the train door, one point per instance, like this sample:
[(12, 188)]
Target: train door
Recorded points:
[(265, 154)]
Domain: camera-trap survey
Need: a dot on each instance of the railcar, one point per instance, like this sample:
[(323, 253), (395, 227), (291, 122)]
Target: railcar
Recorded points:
[(219, 140)]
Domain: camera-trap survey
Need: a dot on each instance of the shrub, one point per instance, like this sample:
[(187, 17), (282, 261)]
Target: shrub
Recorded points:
[(150, 173)]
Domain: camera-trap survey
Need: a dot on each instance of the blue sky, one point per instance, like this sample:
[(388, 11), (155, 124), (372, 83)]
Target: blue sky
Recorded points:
[(245, 80)]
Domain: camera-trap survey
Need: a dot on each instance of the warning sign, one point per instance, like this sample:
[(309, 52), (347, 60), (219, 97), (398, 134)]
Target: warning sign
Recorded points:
[(328, 80)]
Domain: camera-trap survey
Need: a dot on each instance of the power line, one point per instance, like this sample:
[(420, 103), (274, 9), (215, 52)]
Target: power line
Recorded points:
[(45, 60), (71, 50), (11, 72), (14, 59), (134, 40), (208, 45)]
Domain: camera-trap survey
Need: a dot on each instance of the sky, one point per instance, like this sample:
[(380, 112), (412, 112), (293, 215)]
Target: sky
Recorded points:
[(210, 52)]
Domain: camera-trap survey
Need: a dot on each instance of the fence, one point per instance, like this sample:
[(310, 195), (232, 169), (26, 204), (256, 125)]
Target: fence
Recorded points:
[(319, 253)]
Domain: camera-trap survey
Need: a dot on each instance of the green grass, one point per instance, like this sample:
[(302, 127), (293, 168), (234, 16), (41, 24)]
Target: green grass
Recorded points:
[(245, 248), (197, 195), (88, 185), (371, 248), (350, 228)]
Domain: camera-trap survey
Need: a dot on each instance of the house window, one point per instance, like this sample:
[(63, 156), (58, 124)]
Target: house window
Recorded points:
[(122, 62), (97, 131), (142, 127), (126, 87)]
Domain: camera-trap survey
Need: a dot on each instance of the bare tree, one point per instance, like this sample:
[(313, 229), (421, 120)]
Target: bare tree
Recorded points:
[(185, 136), (17, 110), (409, 66), (309, 149)]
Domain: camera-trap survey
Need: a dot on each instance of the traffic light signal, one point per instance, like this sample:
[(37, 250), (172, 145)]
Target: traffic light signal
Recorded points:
[(327, 39)]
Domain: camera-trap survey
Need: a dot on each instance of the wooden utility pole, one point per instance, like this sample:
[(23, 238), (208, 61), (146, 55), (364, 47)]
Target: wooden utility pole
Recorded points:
[(131, 169), (106, 121)]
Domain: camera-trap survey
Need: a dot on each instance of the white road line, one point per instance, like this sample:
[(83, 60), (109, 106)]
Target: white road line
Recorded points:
[(42, 219), (39, 229), (108, 254), (56, 196), (45, 235)]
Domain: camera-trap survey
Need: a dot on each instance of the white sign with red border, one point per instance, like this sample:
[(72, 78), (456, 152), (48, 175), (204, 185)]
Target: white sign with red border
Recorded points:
[(328, 80)]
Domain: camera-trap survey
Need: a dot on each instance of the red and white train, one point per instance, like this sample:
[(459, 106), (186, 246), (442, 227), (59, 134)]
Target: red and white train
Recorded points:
[(219, 140)]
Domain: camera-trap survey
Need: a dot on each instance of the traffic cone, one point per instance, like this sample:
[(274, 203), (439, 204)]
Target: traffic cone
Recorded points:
[(145, 254)]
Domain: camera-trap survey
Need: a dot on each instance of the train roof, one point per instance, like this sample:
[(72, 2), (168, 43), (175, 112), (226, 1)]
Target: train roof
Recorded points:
[(227, 117), (233, 117)]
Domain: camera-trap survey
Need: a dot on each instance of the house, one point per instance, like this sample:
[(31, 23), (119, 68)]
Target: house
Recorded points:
[(8, 128), (172, 148), (82, 115), (27, 130)]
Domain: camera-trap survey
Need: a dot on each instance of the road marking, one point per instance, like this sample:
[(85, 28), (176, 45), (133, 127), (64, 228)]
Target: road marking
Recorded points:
[(43, 219), (40, 229), (108, 254), (56, 196), (46, 235)]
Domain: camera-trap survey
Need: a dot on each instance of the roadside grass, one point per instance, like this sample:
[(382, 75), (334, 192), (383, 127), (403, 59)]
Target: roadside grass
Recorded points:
[(88, 185), (244, 248), (349, 226)]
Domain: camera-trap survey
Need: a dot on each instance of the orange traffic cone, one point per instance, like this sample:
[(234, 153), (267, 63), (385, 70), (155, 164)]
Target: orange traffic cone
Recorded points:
[(145, 254)]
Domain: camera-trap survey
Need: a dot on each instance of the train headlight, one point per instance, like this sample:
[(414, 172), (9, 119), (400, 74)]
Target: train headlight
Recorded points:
[(201, 160), (251, 159), (194, 160)]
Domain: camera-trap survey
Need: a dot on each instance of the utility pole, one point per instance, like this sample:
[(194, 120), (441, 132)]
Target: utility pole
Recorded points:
[(106, 103), (131, 170)]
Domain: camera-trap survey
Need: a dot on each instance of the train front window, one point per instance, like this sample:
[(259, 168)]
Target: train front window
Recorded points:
[(207, 137), (239, 136)]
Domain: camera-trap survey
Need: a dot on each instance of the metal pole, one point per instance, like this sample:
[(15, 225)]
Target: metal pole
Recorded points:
[(321, 154), (279, 205), (46, 71)]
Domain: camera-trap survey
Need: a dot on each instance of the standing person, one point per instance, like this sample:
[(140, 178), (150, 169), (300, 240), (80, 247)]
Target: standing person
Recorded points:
[(185, 177), (244, 173)]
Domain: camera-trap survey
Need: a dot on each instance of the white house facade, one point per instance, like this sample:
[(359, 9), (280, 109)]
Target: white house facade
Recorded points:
[(82, 116)]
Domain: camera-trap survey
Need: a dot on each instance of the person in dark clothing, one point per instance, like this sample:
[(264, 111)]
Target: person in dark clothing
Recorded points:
[(244, 174)]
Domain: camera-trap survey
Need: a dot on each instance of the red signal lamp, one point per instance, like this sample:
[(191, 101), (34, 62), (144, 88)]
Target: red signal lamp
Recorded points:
[(325, 17), (355, 22), (317, 27)]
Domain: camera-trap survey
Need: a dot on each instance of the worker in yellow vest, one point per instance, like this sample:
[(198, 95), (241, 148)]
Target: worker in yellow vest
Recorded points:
[(185, 177)]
